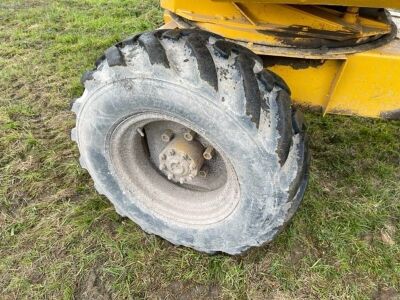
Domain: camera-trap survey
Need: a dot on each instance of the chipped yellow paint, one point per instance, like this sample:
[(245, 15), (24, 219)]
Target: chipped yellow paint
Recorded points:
[(369, 83), (364, 84), (359, 3)]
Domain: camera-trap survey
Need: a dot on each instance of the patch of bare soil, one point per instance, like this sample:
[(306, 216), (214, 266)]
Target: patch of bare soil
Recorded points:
[(387, 234), (92, 289), (187, 291), (385, 293)]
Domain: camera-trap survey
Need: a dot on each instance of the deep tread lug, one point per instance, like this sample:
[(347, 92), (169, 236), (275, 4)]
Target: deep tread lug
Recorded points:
[(303, 162), (297, 121), (225, 48), (204, 59), (88, 75), (154, 49), (128, 41), (172, 34), (251, 89), (284, 125), (114, 57), (267, 79), (99, 60)]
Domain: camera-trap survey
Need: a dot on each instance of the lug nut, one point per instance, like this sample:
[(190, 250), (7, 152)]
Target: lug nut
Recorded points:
[(167, 136), (189, 135), (208, 153), (203, 173), (171, 152)]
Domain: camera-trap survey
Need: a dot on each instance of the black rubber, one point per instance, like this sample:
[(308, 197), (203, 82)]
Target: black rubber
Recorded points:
[(225, 48), (221, 88), (154, 49), (88, 75), (205, 62), (285, 126), (114, 57), (250, 85)]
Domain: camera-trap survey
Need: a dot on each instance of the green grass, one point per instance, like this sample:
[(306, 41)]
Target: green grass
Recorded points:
[(60, 240)]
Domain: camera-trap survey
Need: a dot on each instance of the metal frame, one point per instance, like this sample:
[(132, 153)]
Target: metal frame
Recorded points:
[(337, 60)]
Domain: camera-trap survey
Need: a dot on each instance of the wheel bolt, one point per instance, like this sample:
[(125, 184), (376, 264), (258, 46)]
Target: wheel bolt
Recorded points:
[(203, 173), (189, 135), (167, 136), (140, 131), (208, 153)]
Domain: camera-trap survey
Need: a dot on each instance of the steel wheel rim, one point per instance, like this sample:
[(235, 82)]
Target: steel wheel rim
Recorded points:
[(150, 190)]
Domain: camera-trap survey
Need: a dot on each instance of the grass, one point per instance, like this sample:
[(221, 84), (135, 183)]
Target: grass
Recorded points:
[(61, 240)]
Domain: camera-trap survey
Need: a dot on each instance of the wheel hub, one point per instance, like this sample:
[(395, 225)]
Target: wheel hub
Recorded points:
[(181, 160)]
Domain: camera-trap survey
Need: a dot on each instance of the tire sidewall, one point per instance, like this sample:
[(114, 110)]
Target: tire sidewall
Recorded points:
[(256, 169)]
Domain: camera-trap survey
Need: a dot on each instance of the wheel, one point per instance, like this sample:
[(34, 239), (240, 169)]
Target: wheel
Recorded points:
[(189, 137)]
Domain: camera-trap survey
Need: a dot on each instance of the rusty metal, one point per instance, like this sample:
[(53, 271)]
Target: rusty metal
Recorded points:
[(189, 135), (181, 160), (167, 136), (208, 153)]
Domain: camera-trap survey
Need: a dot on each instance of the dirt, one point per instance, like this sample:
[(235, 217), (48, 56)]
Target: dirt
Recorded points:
[(385, 293), (187, 291), (92, 289), (387, 234)]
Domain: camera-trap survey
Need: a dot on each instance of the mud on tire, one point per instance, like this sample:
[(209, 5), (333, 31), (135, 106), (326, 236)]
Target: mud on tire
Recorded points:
[(219, 89)]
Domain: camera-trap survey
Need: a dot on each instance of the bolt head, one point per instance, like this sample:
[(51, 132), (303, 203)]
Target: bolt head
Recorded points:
[(203, 173), (207, 156), (187, 136)]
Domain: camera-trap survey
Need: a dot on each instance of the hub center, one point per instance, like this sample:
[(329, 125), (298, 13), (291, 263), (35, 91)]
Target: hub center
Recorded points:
[(181, 160)]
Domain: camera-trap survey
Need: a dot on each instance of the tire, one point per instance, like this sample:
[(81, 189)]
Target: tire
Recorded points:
[(221, 91)]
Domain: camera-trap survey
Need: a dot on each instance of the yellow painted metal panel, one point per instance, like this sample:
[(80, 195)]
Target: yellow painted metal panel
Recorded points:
[(311, 86), (303, 26), (366, 84), (359, 3), (369, 84)]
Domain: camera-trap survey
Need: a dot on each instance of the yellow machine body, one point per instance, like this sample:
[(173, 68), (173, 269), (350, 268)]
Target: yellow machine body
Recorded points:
[(342, 60)]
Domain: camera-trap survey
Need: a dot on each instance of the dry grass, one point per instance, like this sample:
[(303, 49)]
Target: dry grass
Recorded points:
[(59, 239)]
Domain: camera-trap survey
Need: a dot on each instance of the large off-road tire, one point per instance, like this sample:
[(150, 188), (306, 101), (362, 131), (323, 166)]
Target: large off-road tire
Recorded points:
[(177, 79)]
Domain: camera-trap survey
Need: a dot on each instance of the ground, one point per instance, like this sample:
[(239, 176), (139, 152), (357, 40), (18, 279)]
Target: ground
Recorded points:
[(61, 240)]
